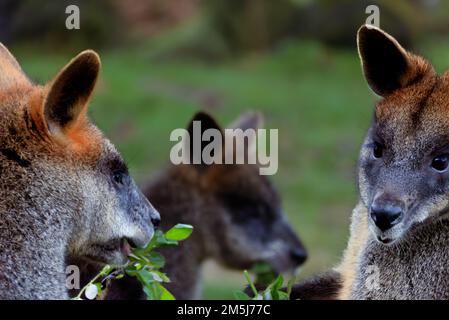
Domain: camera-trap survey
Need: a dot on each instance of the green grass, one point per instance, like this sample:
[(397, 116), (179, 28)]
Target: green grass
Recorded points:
[(315, 96)]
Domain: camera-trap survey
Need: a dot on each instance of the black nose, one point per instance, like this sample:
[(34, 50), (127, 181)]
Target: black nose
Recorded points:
[(156, 221), (299, 256), (386, 216)]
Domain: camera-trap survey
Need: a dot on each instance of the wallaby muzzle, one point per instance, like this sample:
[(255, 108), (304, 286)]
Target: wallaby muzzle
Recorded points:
[(386, 212)]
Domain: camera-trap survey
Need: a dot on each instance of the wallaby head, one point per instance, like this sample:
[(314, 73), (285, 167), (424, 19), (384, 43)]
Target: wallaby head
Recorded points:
[(238, 211), (403, 170), (63, 183)]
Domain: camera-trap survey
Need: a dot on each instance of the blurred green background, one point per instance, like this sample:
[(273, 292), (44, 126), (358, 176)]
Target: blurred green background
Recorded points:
[(293, 60)]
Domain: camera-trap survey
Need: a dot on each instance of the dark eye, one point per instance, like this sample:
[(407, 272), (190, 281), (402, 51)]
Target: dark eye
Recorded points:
[(440, 163), (118, 177), (377, 150)]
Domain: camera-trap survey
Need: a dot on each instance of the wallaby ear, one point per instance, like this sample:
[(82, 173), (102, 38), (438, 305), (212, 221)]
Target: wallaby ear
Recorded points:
[(250, 120), (5, 54), (69, 92), (386, 64), (10, 71), (207, 122)]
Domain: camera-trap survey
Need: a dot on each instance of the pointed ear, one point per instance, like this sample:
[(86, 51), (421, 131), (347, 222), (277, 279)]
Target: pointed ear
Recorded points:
[(250, 120), (386, 64), (69, 92), (10, 72), (7, 55), (207, 122)]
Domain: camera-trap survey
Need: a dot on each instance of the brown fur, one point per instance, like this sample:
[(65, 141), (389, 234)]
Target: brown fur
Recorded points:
[(350, 262), (411, 127), (58, 195), (237, 219)]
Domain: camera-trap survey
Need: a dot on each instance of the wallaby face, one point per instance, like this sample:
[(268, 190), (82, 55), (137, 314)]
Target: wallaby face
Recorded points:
[(403, 176), (399, 229), (119, 216), (253, 226), (63, 184), (243, 217), (236, 214)]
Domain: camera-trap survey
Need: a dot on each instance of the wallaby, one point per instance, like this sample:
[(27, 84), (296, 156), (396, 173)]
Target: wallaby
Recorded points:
[(236, 214), (64, 190), (399, 239)]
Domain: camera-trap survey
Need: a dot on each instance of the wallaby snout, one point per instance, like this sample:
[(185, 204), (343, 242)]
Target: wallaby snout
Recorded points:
[(386, 213), (297, 252), (298, 255), (144, 215)]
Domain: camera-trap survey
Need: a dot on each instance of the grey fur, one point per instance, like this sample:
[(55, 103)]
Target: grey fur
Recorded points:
[(237, 219), (54, 199), (408, 258), (415, 268)]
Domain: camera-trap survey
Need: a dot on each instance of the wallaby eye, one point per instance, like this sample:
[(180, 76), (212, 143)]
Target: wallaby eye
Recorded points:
[(377, 150), (118, 177), (441, 162)]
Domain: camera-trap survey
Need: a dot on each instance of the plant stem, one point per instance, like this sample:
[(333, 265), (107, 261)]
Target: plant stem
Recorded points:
[(250, 282), (101, 273)]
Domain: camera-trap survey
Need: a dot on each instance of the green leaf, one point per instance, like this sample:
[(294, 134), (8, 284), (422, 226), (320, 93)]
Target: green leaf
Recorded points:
[(98, 285), (166, 295), (179, 232), (162, 275), (239, 295), (283, 295), (106, 270), (155, 240), (156, 277), (149, 292), (159, 240), (273, 288), (131, 271), (277, 284), (138, 252), (145, 277), (154, 291), (157, 259)]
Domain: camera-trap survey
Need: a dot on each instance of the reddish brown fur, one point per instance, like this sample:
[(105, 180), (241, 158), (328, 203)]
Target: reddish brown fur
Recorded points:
[(59, 194), (82, 141)]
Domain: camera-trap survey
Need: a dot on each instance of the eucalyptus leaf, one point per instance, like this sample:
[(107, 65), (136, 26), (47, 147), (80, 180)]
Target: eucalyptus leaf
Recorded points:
[(156, 259), (179, 232), (239, 295), (165, 294), (144, 265)]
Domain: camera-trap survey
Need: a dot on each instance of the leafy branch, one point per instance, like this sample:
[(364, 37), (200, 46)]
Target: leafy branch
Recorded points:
[(144, 265), (273, 290)]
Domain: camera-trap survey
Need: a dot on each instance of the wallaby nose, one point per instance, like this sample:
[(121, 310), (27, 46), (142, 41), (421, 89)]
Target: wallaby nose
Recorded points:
[(386, 215), (299, 256), (156, 221)]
